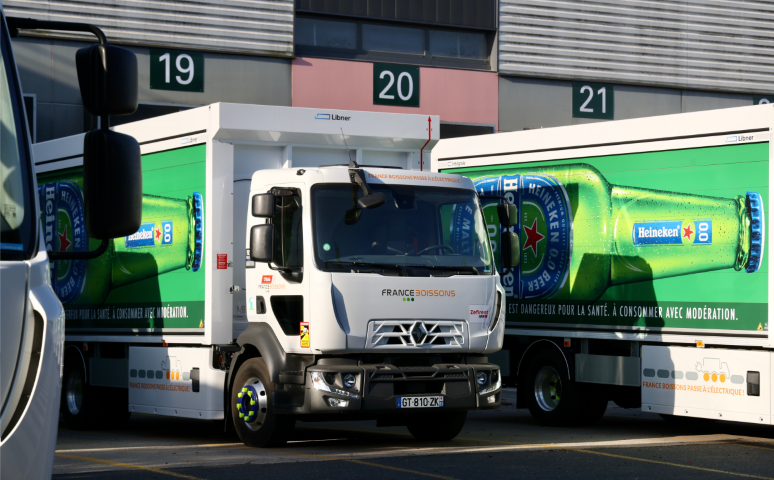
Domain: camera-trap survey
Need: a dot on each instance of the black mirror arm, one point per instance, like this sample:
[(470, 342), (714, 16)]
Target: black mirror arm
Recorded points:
[(80, 255), (285, 269), (16, 23), (356, 175)]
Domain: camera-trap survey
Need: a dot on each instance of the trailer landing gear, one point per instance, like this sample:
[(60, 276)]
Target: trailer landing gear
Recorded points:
[(252, 412)]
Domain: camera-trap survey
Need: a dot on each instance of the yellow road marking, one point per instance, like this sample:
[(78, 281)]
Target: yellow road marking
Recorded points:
[(704, 469), (332, 458), (592, 452), (129, 465), (723, 443), (370, 464), (241, 446)]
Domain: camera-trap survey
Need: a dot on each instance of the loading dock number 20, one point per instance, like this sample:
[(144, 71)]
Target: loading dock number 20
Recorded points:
[(396, 85), (177, 70), (592, 100)]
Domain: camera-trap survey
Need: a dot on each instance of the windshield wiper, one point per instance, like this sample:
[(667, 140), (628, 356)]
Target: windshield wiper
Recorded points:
[(397, 268), (463, 268)]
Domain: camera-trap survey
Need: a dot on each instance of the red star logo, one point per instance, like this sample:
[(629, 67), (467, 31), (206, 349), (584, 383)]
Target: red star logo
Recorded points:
[(63, 241), (158, 233), (687, 232), (533, 237)]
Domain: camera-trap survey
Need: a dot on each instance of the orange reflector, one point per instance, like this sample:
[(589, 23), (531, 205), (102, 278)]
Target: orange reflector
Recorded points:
[(85, 347), (163, 343), (566, 342), (700, 343)]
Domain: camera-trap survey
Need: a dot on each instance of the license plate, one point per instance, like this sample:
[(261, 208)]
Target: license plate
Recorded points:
[(420, 402)]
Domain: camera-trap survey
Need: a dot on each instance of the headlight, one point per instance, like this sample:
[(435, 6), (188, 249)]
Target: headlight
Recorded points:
[(319, 384), (496, 384), (349, 380), (481, 378), (337, 402)]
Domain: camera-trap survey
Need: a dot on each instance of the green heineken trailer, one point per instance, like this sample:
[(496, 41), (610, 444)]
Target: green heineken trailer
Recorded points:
[(643, 271)]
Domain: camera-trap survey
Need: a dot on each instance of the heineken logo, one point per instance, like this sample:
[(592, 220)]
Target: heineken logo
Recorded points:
[(151, 234), (64, 242), (672, 232), (64, 231), (544, 227), (546, 235), (533, 238)]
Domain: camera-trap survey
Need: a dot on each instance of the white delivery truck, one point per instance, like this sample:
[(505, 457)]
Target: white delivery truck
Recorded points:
[(291, 263), (32, 325), (643, 275)]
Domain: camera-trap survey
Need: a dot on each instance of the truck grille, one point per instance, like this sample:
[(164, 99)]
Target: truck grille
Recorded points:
[(429, 334)]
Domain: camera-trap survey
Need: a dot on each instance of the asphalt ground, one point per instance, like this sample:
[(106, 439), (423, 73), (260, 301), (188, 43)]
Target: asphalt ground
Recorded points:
[(505, 442)]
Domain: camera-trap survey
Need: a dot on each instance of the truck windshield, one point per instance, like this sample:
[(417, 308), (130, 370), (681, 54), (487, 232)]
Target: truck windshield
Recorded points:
[(417, 231), (17, 209)]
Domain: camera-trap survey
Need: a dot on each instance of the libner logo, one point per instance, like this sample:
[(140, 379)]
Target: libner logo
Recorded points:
[(331, 116)]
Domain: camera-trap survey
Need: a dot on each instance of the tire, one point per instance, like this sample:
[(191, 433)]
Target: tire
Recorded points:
[(78, 403), (554, 400), (436, 426), (265, 429)]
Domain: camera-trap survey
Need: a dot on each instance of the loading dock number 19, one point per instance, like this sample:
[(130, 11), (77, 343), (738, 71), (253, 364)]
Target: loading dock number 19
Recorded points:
[(177, 70), (592, 100)]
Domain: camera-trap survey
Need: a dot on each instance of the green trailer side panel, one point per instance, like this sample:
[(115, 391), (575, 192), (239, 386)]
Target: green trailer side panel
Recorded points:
[(148, 280), (686, 290)]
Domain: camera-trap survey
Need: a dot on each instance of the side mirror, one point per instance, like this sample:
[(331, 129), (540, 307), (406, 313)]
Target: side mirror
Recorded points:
[(263, 205), (371, 201), (509, 250), (107, 76), (261, 239), (508, 214), (112, 184)]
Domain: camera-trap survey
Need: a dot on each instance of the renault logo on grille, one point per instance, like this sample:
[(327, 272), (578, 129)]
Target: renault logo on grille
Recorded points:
[(418, 333)]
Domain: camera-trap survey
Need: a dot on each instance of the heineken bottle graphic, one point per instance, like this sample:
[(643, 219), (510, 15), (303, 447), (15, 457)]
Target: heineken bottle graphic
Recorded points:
[(169, 238), (580, 234)]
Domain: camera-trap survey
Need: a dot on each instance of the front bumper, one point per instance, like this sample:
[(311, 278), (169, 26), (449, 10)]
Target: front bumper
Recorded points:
[(378, 387)]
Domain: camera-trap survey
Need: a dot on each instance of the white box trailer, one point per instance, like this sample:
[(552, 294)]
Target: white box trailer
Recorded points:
[(644, 274), (339, 284)]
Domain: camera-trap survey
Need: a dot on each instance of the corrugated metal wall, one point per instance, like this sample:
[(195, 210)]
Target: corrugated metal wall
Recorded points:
[(700, 44), (467, 13), (244, 26)]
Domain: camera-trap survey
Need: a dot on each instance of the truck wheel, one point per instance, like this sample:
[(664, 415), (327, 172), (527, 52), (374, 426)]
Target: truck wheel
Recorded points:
[(437, 426), (555, 400), (77, 402), (252, 410)]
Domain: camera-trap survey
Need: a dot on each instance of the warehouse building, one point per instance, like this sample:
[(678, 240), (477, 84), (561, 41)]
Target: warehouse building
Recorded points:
[(481, 65)]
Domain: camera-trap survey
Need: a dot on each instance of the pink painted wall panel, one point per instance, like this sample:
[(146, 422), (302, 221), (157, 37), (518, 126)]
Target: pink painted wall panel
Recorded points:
[(461, 96)]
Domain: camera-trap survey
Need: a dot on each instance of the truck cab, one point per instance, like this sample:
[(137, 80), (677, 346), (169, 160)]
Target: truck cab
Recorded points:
[(388, 307)]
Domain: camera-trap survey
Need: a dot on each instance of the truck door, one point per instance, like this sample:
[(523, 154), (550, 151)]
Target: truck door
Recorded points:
[(281, 285)]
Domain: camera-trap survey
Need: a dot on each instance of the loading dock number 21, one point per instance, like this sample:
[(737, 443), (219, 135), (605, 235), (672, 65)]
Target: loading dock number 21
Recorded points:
[(177, 70), (593, 100)]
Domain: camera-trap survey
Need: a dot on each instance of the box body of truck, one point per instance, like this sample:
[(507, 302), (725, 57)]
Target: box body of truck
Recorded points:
[(644, 275), (169, 313)]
